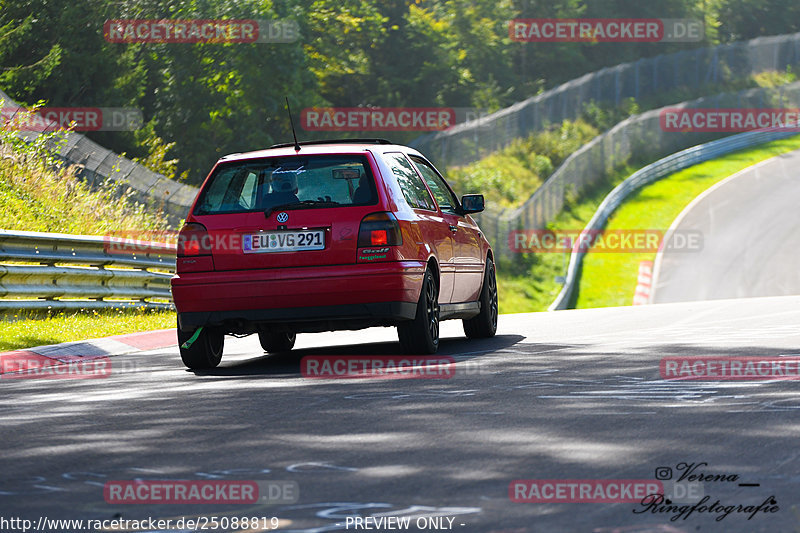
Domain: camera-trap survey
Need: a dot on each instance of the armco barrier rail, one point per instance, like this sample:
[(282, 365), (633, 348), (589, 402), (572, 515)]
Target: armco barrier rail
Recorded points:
[(649, 174), (57, 271)]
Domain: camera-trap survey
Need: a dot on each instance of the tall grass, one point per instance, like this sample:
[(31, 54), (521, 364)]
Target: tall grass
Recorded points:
[(38, 192), (509, 177)]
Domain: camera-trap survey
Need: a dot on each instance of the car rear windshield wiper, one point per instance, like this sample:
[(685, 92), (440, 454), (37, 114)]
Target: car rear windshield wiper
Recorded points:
[(303, 204)]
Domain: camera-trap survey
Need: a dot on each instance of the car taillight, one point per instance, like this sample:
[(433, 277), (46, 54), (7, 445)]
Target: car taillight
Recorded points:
[(378, 237), (193, 240), (379, 229)]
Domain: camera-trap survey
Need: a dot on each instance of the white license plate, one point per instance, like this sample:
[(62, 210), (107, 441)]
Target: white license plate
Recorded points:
[(283, 241)]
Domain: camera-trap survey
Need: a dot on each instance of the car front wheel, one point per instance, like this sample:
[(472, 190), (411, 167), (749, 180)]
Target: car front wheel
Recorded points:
[(421, 335), (484, 325)]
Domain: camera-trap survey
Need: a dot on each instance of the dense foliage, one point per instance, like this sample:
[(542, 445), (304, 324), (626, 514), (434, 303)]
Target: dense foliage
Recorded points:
[(203, 100)]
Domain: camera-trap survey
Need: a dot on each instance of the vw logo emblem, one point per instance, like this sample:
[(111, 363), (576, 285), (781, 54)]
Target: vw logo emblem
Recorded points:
[(283, 217)]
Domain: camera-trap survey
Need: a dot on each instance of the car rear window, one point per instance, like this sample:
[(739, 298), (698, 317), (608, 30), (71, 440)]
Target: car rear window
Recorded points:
[(260, 184)]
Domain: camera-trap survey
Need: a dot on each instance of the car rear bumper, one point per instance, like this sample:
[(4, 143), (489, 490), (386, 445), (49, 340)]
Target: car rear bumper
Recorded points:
[(300, 299), (302, 319)]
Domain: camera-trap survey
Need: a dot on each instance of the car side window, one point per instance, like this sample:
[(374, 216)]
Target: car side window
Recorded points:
[(444, 196), (409, 181)]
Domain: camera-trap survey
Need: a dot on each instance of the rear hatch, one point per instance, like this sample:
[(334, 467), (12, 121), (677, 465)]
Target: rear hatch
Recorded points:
[(281, 212)]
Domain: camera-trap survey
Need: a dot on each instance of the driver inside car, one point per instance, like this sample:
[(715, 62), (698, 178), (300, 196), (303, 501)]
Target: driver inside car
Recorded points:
[(283, 188)]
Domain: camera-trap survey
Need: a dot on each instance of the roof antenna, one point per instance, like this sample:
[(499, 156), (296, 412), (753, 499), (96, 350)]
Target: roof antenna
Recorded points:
[(289, 109)]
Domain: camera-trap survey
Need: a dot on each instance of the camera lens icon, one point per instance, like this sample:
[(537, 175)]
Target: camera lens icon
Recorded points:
[(663, 473)]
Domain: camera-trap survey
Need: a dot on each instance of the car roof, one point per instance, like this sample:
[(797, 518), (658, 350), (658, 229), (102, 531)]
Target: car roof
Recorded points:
[(333, 148)]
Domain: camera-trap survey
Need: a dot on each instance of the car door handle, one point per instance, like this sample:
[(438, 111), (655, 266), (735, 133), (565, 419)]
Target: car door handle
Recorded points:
[(453, 228)]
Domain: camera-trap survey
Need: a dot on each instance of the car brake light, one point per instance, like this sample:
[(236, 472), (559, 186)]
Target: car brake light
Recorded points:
[(193, 240), (378, 237), (379, 229)]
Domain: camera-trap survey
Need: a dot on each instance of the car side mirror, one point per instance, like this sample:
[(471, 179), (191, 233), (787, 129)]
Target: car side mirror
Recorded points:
[(472, 203)]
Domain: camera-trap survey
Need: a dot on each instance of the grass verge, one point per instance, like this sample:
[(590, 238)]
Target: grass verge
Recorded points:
[(28, 330), (528, 284), (609, 279)]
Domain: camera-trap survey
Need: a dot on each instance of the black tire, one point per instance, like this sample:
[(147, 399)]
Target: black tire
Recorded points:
[(484, 325), (276, 341), (205, 352), (421, 335)]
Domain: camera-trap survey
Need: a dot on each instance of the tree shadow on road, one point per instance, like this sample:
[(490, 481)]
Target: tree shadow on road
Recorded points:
[(288, 365)]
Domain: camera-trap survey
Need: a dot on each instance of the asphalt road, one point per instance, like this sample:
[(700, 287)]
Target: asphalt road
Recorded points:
[(751, 239), (566, 395)]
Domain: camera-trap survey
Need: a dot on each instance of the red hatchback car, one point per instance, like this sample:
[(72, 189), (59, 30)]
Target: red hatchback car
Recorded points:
[(325, 236)]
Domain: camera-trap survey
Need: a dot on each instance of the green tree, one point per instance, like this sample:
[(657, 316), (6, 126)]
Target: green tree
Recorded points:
[(22, 69), (480, 52), (339, 35), (748, 19)]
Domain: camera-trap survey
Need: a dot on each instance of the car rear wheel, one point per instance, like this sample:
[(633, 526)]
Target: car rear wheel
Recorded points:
[(421, 335), (484, 325), (205, 351), (276, 341)]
